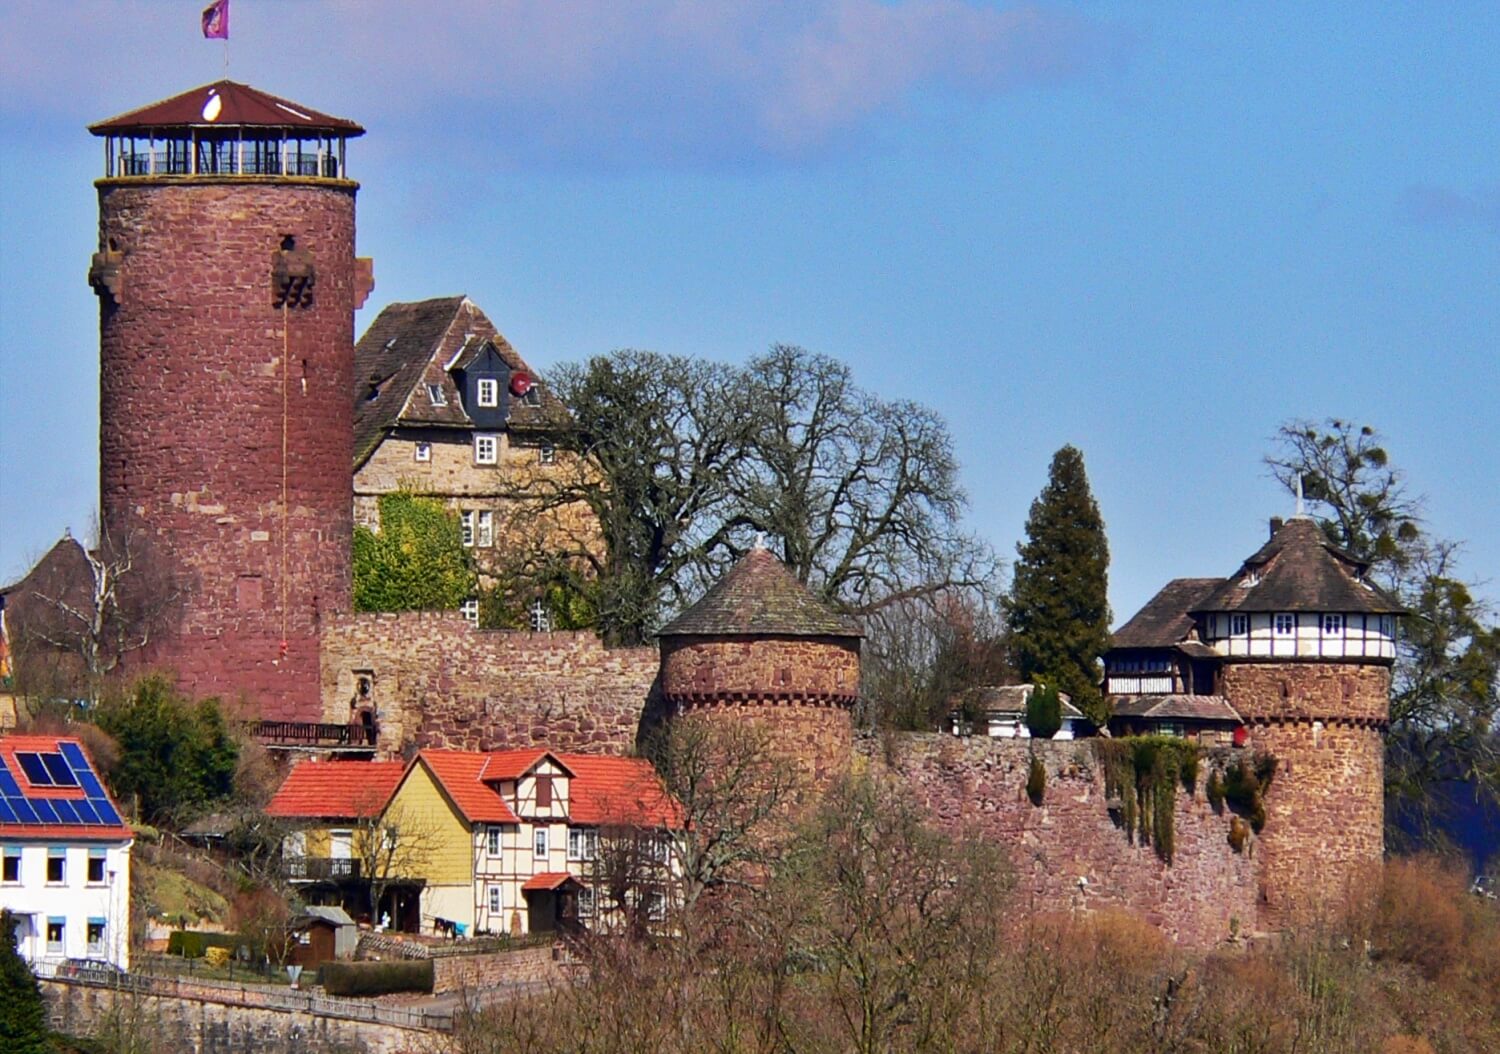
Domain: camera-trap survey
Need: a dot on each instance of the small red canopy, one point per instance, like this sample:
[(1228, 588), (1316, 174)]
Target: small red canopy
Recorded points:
[(548, 880), (226, 104)]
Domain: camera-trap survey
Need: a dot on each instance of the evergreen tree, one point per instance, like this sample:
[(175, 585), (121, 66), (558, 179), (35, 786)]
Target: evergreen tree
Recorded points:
[(1043, 712), (23, 1018), (1058, 605)]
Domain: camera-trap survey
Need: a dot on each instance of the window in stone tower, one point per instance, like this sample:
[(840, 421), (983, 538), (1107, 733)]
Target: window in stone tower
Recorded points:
[(486, 450), (423, 452), (484, 533), (466, 527)]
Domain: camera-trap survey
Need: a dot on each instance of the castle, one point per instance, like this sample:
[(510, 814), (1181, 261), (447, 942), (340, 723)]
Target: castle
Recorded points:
[(227, 282)]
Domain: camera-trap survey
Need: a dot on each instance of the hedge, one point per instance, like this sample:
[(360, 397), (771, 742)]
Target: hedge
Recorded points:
[(377, 978), (191, 944)]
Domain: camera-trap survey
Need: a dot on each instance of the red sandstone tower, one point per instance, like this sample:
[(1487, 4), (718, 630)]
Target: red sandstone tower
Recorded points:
[(227, 286), (1307, 645), (759, 648)]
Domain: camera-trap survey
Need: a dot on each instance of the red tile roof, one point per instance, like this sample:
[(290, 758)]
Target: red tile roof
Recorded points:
[(239, 106), (108, 832), (513, 764), (336, 790), (547, 880), (613, 790), (458, 773)]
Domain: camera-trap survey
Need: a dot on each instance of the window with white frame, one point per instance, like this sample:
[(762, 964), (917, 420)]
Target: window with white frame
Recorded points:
[(546, 453), (486, 450), (466, 527), (1388, 625), (469, 609), (484, 533), (423, 452), (1239, 625), (1333, 625), (586, 902), (656, 905), (533, 396), (583, 843), (492, 840), (1286, 624), (539, 843), (489, 392), (494, 900), (435, 395)]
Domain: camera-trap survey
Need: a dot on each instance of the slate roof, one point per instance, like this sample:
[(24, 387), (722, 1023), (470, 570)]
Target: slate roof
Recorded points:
[(240, 106), (336, 790), (1165, 620), (1174, 707), (1299, 570), (411, 345), (760, 597)]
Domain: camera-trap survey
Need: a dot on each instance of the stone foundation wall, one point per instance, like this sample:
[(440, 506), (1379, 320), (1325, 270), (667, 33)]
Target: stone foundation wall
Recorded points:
[(1209, 892), (438, 682), (465, 973)]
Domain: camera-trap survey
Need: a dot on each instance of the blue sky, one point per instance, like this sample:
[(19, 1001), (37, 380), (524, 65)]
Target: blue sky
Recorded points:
[(1154, 231)]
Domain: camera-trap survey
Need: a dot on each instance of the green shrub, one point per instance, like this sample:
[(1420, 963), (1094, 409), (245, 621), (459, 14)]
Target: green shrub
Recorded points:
[(377, 978), (1239, 834), (1043, 712), (193, 944), (1036, 781), (1215, 788), (1245, 783)]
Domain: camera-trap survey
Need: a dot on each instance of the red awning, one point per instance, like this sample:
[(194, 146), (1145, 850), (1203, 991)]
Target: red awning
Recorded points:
[(548, 880)]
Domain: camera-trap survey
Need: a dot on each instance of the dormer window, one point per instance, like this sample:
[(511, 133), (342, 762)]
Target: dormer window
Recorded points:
[(533, 396), (1252, 579), (435, 394), (488, 392)]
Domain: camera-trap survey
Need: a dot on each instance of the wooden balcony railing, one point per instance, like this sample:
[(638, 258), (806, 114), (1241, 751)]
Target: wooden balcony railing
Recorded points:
[(315, 734), (319, 868)]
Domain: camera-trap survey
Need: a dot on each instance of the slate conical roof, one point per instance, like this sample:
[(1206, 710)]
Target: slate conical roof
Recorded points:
[(238, 106), (760, 597), (1299, 570)]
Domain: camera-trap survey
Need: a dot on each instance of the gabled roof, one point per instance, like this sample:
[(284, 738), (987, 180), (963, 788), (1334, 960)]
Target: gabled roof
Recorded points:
[(547, 880), (1299, 570), (240, 106), (760, 597), (412, 345), (1165, 620), (513, 764), (56, 793), (613, 790), (1011, 699), (1174, 707), (458, 773), (336, 790)]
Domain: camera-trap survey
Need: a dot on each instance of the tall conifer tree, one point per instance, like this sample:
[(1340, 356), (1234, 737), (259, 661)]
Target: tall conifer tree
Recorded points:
[(1058, 605)]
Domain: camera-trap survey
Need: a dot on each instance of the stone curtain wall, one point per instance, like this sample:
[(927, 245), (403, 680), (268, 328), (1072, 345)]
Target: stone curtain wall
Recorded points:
[(980, 784), (438, 682), (194, 358), (466, 973), (1325, 809)]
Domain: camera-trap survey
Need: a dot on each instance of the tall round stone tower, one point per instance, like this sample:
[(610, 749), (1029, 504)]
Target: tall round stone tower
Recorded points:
[(760, 650), (1308, 643), (227, 286)]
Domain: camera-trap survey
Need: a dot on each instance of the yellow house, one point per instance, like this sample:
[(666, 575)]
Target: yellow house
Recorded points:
[(507, 842)]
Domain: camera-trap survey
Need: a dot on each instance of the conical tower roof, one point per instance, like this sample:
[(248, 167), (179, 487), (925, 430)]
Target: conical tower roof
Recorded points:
[(226, 104), (1300, 570), (760, 597)]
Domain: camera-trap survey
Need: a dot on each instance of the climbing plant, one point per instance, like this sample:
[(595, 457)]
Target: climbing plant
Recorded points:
[(1143, 773)]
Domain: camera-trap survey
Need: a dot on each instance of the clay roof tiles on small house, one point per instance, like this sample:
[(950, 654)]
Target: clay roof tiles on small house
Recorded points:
[(760, 597), (613, 790), (458, 773), (1299, 570), (240, 106), (336, 790)]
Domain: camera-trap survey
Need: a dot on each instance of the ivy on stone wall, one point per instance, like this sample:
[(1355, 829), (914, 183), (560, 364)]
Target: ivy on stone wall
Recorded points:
[(1242, 787), (1142, 773)]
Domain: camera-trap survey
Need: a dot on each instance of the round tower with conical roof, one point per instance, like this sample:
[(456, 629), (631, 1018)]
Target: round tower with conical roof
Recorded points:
[(1307, 644), (227, 286), (759, 649)]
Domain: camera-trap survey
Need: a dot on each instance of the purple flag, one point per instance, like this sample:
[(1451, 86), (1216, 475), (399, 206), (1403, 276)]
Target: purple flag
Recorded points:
[(216, 20)]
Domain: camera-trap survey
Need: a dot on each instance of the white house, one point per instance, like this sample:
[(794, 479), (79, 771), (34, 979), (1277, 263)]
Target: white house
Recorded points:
[(64, 855), (1000, 712)]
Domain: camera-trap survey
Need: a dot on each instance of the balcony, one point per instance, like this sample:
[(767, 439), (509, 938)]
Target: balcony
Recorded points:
[(316, 735), (319, 869)]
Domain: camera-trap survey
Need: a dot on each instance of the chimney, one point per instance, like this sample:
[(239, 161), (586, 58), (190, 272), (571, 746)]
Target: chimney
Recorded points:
[(1276, 522)]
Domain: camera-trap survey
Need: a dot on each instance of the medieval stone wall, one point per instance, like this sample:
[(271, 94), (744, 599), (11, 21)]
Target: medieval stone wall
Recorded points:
[(439, 682), (211, 399), (1326, 805), (1208, 893), (751, 669)]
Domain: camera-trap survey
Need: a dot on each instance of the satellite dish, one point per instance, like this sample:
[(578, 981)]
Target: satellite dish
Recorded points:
[(520, 384), (212, 107)]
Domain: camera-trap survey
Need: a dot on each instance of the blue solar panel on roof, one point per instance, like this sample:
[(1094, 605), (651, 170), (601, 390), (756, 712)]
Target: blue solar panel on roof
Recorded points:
[(36, 772), (59, 770), (105, 810), (74, 755), (65, 811), (85, 812), (44, 811), (8, 785), (91, 786), (7, 814), (24, 812)]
